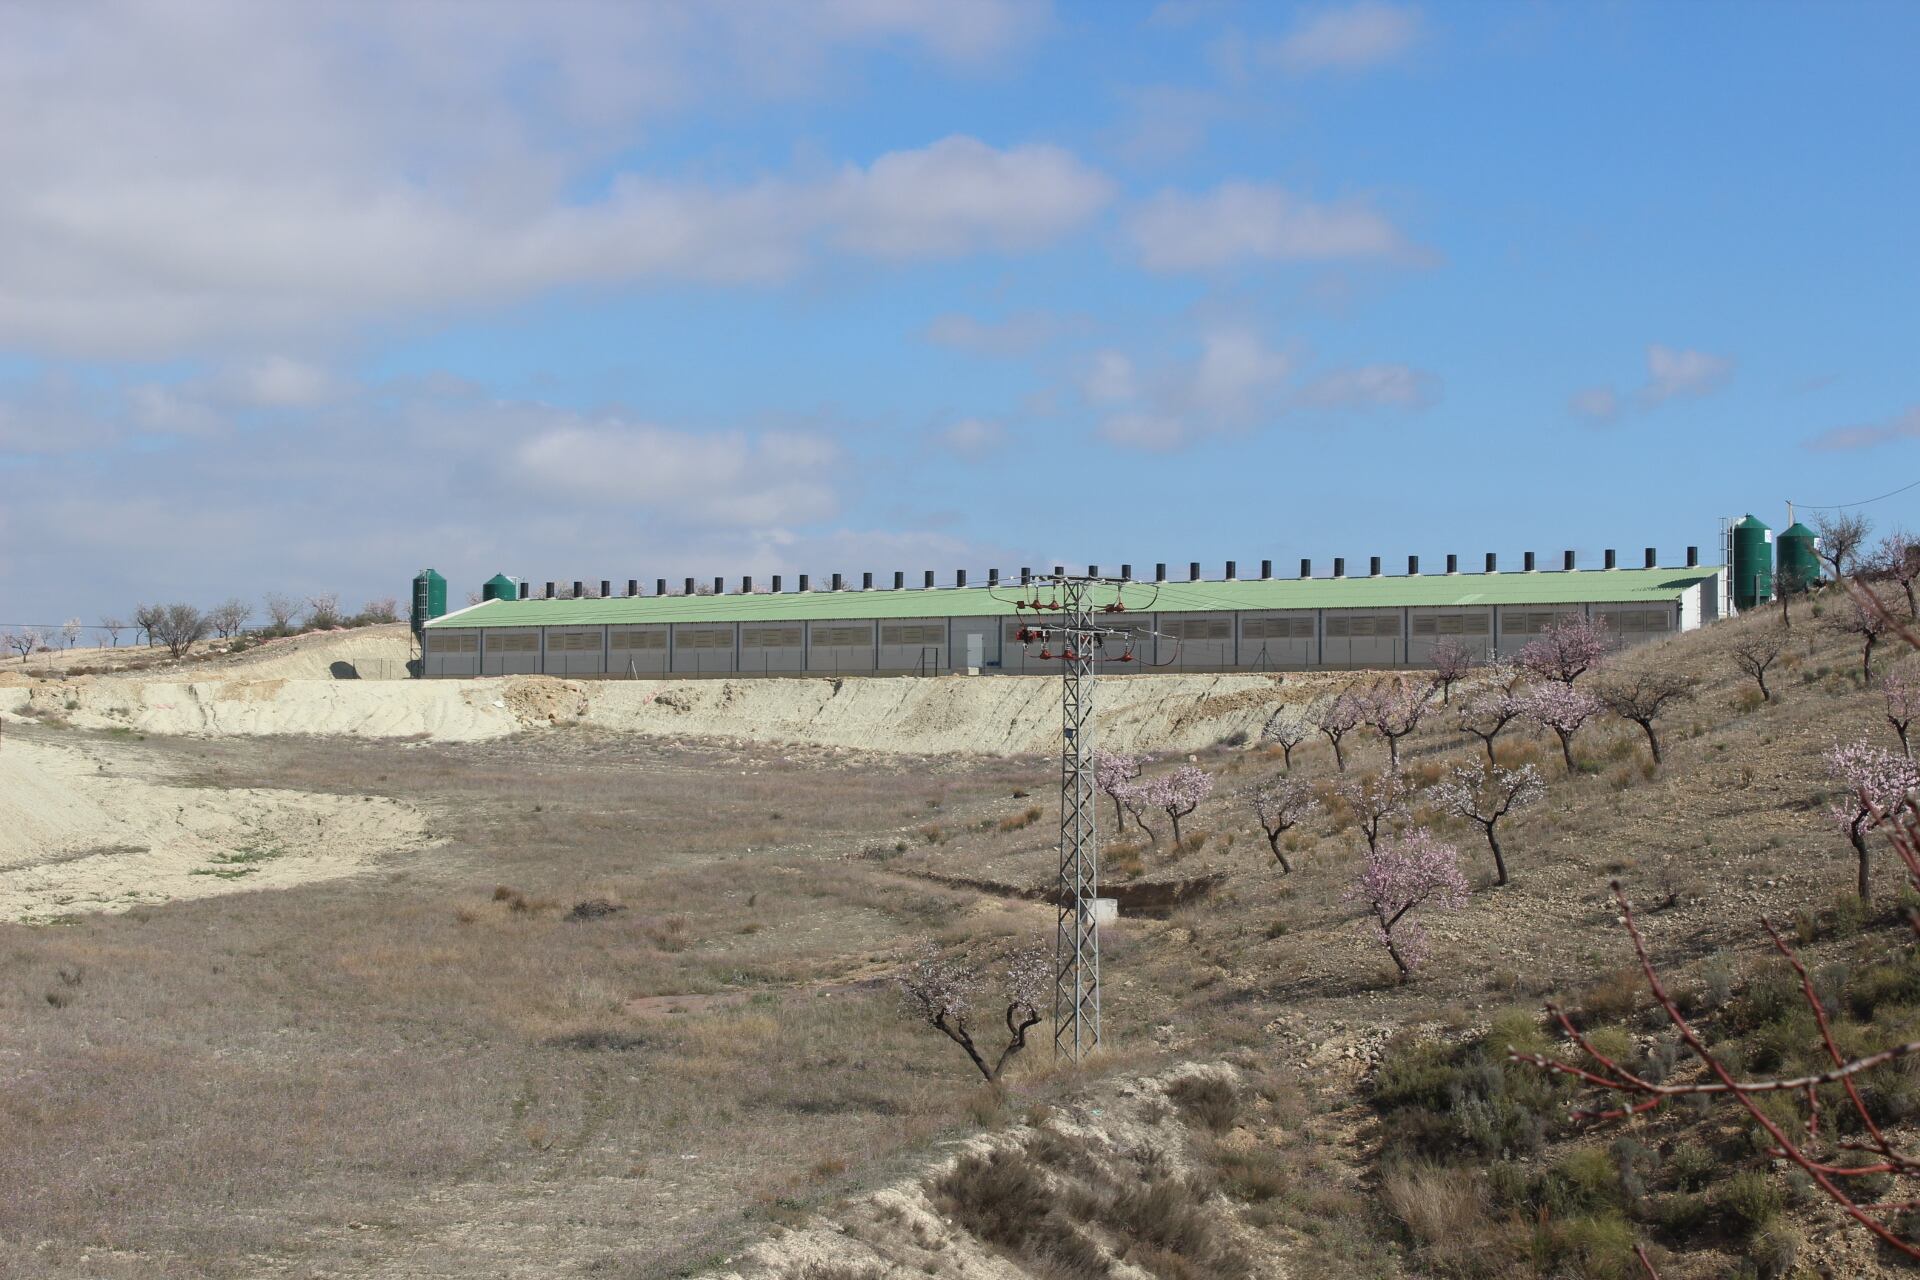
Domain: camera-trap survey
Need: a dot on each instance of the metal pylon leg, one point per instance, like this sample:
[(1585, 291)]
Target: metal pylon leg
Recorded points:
[(1076, 996)]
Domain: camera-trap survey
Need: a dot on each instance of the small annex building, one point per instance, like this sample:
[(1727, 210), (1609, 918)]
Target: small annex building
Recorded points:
[(1263, 624)]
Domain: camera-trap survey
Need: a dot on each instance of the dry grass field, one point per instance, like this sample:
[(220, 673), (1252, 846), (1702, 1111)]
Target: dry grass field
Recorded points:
[(625, 1011)]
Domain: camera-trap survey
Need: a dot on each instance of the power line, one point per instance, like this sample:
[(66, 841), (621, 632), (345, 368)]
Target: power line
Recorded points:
[(1841, 506)]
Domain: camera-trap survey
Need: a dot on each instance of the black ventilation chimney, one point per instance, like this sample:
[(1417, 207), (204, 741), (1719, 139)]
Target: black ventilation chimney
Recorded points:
[(805, 584), (1306, 568), (1126, 573), (1373, 566), (1233, 570), (1093, 571), (959, 577), (549, 591), (1653, 558), (1608, 557), (578, 593), (719, 585), (866, 581), (1339, 566), (659, 586), (1453, 563), (1026, 575), (523, 589), (1160, 573), (689, 590), (746, 586), (993, 577), (1527, 564), (776, 584), (1266, 569), (899, 580), (1493, 562), (929, 577), (633, 587), (839, 583), (1193, 571), (1693, 557), (606, 588), (1413, 566), (1568, 561)]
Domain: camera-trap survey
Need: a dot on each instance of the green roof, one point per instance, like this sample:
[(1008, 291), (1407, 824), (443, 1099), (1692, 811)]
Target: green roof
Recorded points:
[(1581, 586)]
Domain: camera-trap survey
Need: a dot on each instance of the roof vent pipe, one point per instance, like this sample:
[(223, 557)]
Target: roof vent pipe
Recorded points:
[(746, 586), (866, 581), (719, 585), (606, 588), (1059, 571), (659, 586), (1233, 570), (1413, 566), (993, 577), (929, 578), (1653, 557), (1526, 563), (1693, 557), (1493, 562), (1567, 561), (1306, 568), (1093, 571), (1126, 573), (1193, 571), (839, 583), (1339, 566), (959, 577), (1026, 575), (805, 584), (1608, 556), (549, 591), (899, 580), (689, 590), (523, 589), (1453, 563), (1159, 572), (1266, 569), (1373, 566), (776, 584), (579, 592), (633, 587)]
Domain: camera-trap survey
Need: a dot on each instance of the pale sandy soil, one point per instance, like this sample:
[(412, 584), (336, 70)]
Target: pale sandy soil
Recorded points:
[(79, 835)]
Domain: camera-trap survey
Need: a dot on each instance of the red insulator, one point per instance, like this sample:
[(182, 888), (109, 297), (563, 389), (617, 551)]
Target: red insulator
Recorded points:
[(1070, 655), (1126, 657), (1045, 656)]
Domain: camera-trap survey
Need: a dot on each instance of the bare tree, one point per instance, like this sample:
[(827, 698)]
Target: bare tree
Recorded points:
[(1898, 558), (1901, 687), (70, 632), (1756, 652), (1280, 805), (23, 641), (941, 993), (1644, 696), (1376, 799), (144, 616), (228, 618), (1488, 713), (1840, 541), (1336, 718), (1395, 711), (282, 611), (180, 627), (1562, 708), (323, 611), (385, 609), (1286, 729), (1865, 619), (1451, 661), (1828, 1152), (113, 627)]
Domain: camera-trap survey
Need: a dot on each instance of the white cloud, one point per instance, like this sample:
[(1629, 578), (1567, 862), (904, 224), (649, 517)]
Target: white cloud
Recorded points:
[(1679, 374), (973, 437), (1016, 335), (220, 169), (729, 478), (1373, 386), (1599, 404), (1902, 426), (1236, 221), (1234, 375), (1110, 378), (1152, 432), (1354, 38)]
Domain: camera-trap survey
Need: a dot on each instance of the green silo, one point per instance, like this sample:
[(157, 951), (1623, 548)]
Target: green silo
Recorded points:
[(498, 587), (429, 598), (1796, 564), (1752, 563)]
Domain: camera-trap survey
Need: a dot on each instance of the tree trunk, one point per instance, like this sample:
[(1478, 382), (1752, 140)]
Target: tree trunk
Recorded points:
[(1339, 757), (1866, 661), (1393, 750), (1653, 741), (1488, 739), (1566, 749), (1761, 678), (1286, 752), (1786, 615), (1900, 728), (1119, 816), (1177, 841), (1860, 852), (1141, 822), (1273, 838), (1912, 611), (1499, 862), (1398, 963)]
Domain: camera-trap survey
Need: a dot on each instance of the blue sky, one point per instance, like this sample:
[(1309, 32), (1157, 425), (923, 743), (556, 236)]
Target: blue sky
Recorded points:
[(302, 298)]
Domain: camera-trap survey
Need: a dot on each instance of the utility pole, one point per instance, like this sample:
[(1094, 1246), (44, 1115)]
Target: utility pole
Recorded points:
[(1081, 642)]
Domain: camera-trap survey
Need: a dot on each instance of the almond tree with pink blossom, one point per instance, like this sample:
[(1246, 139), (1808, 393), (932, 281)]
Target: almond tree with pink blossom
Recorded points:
[(1280, 805), (1570, 647), (1394, 712), (1450, 662), (1902, 689), (1337, 717), (1112, 771), (1561, 707), (1286, 729), (1177, 793), (1877, 782), (941, 992), (1404, 876), (1484, 796)]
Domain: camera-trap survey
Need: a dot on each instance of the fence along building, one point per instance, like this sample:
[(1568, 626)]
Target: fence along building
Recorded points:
[(1262, 624)]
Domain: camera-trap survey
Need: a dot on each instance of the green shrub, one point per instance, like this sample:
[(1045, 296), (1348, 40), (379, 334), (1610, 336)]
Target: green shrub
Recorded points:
[(1747, 1200), (1582, 1180), (1599, 1247), (1691, 1166), (1774, 1248), (1683, 1215), (1210, 1101)]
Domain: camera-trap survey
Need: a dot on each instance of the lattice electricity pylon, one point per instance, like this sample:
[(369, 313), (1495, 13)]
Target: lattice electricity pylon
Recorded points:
[(1076, 952)]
